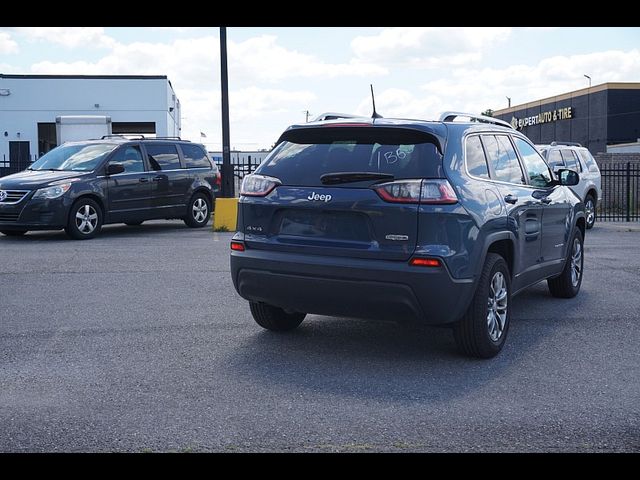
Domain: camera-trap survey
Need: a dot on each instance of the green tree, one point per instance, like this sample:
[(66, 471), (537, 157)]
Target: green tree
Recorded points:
[(487, 113)]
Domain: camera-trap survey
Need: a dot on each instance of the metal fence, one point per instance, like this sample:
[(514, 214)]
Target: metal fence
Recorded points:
[(620, 192), (241, 166)]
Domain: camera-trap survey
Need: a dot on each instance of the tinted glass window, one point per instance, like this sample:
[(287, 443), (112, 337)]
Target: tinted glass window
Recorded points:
[(476, 161), (589, 161), (555, 159), (163, 157), (81, 158), (503, 159), (569, 159), (537, 170), (195, 156), (130, 158), (307, 154)]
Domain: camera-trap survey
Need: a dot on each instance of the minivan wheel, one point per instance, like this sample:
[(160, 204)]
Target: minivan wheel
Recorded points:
[(567, 284), (198, 211), (85, 219), (483, 329), (590, 211), (275, 318), (13, 233)]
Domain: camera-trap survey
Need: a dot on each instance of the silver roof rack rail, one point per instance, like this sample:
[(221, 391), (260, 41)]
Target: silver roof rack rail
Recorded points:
[(334, 116), (569, 144), (450, 116)]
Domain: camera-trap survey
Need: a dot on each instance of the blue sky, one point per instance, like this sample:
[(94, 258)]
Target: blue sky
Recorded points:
[(276, 74)]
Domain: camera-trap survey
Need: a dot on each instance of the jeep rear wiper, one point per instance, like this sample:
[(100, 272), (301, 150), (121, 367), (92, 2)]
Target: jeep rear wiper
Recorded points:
[(348, 177)]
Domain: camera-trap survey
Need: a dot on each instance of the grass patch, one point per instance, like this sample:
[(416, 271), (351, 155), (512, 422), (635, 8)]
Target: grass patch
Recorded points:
[(221, 228)]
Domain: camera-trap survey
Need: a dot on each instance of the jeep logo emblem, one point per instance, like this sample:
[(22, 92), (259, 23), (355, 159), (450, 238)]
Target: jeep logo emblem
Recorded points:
[(317, 197), (3, 195)]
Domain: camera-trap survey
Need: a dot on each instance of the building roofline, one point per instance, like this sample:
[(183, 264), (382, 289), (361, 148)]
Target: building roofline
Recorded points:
[(568, 95), (104, 77)]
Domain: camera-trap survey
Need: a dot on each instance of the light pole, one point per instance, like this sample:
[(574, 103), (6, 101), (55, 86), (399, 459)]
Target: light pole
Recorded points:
[(227, 169), (587, 76), (509, 100)]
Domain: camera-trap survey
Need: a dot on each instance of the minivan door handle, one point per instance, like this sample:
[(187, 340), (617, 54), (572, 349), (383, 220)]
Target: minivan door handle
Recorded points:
[(158, 178), (143, 180), (511, 198)]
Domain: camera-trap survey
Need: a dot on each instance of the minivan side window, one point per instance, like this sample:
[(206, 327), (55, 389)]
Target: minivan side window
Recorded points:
[(476, 161), (130, 158), (163, 157), (502, 158), (537, 170), (195, 156)]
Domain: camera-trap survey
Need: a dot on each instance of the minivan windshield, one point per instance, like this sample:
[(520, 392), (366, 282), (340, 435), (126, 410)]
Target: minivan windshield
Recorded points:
[(77, 158), (345, 155)]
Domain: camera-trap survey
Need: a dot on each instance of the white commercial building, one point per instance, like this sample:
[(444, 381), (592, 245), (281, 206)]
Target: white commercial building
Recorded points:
[(30, 104)]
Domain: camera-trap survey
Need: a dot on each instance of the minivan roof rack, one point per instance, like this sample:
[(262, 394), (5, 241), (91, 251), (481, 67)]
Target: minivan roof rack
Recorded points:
[(167, 138), (123, 135), (334, 116), (570, 144), (450, 116)]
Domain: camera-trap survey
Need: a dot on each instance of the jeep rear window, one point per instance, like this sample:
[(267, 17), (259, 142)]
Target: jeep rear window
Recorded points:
[(305, 155)]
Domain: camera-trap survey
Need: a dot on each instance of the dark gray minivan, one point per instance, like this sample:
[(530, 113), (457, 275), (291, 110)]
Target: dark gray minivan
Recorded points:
[(439, 222), (80, 186)]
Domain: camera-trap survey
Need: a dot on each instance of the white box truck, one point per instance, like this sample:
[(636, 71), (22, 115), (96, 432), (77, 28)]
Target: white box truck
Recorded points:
[(72, 128)]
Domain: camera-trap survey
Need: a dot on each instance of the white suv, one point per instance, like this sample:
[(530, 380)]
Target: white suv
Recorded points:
[(575, 157)]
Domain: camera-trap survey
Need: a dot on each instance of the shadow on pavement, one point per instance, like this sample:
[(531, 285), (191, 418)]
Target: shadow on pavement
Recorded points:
[(377, 360)]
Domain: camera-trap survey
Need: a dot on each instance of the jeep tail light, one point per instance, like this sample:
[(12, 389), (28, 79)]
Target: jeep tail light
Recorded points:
[(237, 246), (424, 262), (431, 191), (219, 180), (258, 185), (437, 191), (402, 191)]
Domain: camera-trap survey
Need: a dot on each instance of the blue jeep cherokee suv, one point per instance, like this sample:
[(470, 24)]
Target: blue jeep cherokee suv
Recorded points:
[(435, 221)]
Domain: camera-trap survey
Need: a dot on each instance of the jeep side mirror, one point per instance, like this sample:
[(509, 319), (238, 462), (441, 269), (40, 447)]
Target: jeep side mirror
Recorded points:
[(568, 177), (115, 168)]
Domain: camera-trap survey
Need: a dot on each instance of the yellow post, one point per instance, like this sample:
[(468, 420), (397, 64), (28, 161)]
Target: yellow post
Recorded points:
[(226, 214)]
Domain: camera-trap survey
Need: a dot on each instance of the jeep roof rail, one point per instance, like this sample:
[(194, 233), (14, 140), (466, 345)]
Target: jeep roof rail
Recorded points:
[(570, 144), (450, 116), (334, 116)]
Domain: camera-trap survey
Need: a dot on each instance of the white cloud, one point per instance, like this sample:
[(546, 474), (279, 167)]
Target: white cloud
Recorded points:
[(7, 44), (427, 46), (551, 76), (475, 90), (258, 114), (263, 57), (70, 37), (400, 103)]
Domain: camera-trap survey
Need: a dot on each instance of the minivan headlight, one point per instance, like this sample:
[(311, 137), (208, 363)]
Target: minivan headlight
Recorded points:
[(55, 191)]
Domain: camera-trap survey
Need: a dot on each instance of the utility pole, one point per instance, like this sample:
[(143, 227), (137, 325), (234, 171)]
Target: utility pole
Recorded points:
[(227, 168), (306, 115)]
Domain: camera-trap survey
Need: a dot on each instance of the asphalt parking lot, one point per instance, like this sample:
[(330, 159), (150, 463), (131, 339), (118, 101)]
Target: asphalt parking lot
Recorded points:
[(136, 341)]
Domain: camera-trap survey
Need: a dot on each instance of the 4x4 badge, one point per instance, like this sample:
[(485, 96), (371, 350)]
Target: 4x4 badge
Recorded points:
[(397, 237)]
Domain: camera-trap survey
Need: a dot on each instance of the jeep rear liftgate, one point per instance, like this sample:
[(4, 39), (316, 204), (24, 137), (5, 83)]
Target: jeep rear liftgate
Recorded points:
[(341, 191)]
